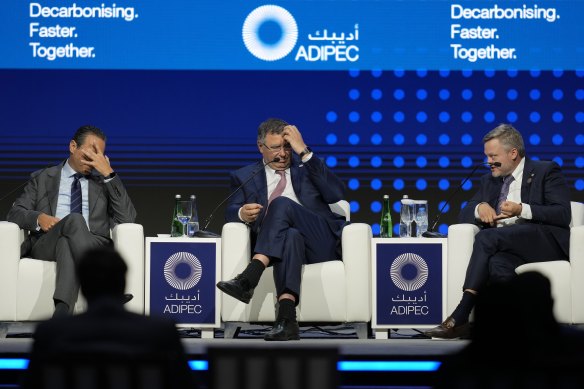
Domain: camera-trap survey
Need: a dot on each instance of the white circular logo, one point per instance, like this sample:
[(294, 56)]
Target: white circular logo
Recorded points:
[(182, 259), (270, 32), (405, 263)]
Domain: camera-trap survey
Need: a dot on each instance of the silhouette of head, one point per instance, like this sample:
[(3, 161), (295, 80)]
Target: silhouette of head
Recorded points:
[(102, 273)]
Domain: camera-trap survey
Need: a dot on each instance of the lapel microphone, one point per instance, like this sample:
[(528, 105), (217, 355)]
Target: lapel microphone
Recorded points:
[(434, 234), (203, 233)]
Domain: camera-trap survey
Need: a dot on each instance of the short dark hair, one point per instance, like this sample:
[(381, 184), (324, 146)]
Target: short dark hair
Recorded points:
[(508, 136), (102, 273), (84, 131), (270, 126)]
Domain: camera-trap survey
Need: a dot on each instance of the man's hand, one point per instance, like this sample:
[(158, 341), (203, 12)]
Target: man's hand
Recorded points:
[(46, 222), (487, 214), (250, 212), (509, 209), (95, 158), (292, 136)]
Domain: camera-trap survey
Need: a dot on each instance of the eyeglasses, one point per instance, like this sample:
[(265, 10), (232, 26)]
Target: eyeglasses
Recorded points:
[(276, 149)]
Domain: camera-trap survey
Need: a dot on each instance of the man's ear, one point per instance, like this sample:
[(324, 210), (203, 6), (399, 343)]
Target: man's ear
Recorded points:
[(72, 146)]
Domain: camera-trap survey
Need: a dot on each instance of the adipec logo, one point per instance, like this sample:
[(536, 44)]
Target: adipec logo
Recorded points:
[(182, 270), (409, 272), (270, 32)]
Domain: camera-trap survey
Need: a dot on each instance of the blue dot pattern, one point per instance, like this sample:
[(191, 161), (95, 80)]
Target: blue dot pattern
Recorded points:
[(420, 132)]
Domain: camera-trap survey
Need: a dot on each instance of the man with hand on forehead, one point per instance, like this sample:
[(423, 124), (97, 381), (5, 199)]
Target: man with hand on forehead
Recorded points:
[(287, 210), (70, 208)]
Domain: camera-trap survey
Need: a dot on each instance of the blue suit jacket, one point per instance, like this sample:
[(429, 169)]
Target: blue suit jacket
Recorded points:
[(543, 187), (314, 184)]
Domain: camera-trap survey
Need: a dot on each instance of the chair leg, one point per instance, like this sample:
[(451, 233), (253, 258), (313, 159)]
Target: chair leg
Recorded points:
[(231, 330), (361, 329), (4, 329)]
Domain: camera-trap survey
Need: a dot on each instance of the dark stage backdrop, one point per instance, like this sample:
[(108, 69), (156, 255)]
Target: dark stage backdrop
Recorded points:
[(397, 106)]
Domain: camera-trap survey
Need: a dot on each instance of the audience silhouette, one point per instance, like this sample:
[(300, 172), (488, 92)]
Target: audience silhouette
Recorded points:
[(516, 341), (107, 338)]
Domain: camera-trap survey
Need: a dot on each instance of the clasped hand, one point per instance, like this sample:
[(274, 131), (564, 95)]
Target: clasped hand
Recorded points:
[(508, 209)]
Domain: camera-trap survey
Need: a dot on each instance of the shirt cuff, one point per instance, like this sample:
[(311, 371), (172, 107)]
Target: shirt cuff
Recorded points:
[(526, 212)]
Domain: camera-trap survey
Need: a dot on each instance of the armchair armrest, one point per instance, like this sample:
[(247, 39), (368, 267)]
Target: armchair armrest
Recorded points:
[(10, 240), (235, 249), (577, 263), (356, 241), (460, 243), (128, 240)]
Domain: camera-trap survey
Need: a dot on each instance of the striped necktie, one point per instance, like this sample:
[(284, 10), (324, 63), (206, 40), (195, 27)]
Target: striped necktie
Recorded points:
[(76, 197)]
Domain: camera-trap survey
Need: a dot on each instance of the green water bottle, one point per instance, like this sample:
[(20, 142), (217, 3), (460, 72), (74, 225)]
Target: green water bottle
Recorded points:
[(386, 226), (176, 227)]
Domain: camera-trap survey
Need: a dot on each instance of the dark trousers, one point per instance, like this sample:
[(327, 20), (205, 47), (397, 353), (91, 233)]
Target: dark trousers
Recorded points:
[(65, 243), (498, 251), (291, 236)]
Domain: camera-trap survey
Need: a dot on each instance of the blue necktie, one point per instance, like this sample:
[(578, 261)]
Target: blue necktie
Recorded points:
[(76, 198), (504, 192)]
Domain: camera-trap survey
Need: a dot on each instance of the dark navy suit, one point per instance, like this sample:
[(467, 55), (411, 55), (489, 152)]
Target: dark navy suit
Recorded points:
[(292, 234), (498, 251)]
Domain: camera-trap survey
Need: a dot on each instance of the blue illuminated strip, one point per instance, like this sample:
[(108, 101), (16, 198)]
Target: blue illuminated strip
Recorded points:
[(199, 365), (354, 366), (13, 363), (396, 366)]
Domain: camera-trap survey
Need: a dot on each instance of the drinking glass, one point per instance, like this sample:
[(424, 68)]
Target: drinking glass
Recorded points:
[(184, 213), (421, 209), (407, 215)]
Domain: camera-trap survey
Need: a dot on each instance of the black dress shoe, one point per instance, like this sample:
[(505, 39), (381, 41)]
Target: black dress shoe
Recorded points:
[(284, 329), (449, 330), (238, 288), (127, 298)]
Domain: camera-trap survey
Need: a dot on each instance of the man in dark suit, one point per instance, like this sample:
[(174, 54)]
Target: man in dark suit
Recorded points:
[(287, 209), (70, 208), (523, 208), (106, 334)]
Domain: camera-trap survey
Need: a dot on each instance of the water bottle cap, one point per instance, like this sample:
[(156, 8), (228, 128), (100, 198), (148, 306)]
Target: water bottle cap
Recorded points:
[(177, 196), (385, 196)]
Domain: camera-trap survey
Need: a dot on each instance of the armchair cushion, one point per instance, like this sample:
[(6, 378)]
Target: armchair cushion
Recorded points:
[(27, 284), (333, 291)]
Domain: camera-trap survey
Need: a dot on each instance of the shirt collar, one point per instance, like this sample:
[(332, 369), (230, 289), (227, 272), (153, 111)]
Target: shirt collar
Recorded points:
[(518, 172)]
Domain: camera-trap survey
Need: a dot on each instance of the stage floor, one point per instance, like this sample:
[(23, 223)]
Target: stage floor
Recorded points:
[(17, 338), (403, 346)]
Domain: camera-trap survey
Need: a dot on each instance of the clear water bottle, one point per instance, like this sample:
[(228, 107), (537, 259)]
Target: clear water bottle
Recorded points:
[(421, 216), (406, 217), (386, 226), (193, 224), (176, 227)]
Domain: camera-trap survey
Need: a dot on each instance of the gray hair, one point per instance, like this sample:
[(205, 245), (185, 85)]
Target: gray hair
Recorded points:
[(270, 126), (508, 136)]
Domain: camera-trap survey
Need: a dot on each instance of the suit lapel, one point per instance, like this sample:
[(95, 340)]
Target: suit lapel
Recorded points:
[(261, 184), (526, 180), (296, 174), (94, 192), (53, 182)]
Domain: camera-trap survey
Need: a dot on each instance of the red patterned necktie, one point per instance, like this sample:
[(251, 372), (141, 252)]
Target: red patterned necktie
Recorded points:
[(279, 187)]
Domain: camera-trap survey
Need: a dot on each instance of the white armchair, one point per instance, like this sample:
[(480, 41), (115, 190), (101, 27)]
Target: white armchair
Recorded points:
[(27, 285), (566, 278), (333, 292)]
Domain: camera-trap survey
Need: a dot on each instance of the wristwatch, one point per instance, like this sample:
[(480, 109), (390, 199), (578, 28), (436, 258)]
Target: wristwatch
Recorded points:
[(307, 150), (111, 175)]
